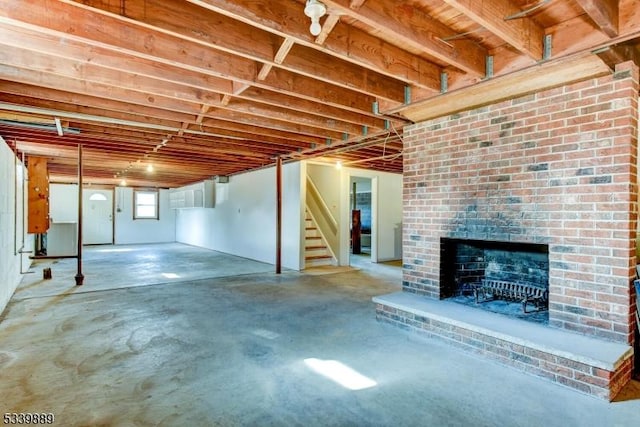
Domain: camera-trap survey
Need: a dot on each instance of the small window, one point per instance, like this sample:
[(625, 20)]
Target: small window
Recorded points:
[(98, 197), (145, 204)]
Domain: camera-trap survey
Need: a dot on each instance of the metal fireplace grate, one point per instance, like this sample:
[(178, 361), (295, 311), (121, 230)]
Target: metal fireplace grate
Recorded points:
[(489, 290)]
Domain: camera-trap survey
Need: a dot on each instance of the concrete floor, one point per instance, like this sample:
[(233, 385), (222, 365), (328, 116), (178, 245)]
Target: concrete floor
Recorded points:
[(227, 351)]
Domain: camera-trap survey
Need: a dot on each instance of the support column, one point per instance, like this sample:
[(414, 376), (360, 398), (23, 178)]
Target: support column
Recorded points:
[(279, 215), (79, 275)]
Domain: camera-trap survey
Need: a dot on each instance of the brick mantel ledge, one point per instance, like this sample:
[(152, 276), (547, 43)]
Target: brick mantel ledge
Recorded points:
[(587, 364)]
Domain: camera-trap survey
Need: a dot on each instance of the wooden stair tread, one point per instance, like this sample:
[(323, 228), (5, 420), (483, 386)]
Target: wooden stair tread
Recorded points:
[(309, 258)]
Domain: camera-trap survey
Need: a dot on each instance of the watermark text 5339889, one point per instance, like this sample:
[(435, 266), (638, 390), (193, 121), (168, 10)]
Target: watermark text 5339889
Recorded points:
[(28, 418)]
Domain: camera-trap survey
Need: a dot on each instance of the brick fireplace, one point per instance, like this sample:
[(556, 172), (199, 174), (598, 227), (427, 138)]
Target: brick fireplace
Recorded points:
[(556, 170)]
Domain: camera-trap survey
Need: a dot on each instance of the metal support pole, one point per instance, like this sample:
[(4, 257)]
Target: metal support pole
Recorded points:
[(278, 215), (79, 276), (15, 206)]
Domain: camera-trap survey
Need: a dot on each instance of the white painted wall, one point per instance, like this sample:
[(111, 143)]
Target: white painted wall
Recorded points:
[(386, 192), (327, 180), (63, 202), (12, 224), (363, 185), (130, 231), (243, 222), (64, 207)]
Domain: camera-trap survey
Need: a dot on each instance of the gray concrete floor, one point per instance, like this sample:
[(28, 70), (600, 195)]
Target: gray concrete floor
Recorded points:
[(227, 351)]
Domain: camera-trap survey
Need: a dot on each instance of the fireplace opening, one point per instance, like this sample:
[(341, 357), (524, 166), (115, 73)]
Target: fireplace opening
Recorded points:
[(502, 277)]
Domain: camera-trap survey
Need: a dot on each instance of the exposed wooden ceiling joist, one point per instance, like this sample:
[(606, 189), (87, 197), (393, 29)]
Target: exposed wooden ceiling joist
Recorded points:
[(216, 87)]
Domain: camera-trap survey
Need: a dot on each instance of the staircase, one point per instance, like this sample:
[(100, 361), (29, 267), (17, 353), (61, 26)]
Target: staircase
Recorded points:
[(316, 252)]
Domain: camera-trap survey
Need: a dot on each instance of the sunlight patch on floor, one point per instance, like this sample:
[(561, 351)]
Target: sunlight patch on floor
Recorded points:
[(340, 373)]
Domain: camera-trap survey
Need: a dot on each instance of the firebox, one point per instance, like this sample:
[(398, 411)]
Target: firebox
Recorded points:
[(503, 277)]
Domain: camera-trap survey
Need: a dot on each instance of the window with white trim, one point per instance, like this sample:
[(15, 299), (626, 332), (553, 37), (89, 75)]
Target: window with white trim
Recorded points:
[(145, 204)]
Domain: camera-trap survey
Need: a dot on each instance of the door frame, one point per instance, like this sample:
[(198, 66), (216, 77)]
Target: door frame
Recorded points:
[(345, 215), (89, 187)]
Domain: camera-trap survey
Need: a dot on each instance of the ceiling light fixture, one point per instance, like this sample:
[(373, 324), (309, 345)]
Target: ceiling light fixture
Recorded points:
[(315, 10), (149, 168)]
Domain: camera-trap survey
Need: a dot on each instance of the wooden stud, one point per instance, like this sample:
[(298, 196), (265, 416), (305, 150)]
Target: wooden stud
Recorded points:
[(38, 195)]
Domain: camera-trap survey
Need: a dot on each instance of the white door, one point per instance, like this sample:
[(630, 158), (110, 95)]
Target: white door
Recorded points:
[(97, 216)]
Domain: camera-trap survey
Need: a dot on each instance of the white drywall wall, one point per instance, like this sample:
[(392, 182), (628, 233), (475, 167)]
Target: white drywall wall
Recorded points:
[(327, 180), (64, 207), (132, 231), (63, 202), (243, 222), (12, 219)]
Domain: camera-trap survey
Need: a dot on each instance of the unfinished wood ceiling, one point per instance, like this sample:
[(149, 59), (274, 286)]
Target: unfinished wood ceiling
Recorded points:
[(201, 88)]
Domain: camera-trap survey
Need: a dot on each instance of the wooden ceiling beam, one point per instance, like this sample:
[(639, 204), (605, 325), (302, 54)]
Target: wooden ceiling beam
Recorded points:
[(545, 75), (84, 24), (258, 135), (193, 23), (286, 119), (233, 138), (356, 4), (99, 90), (277, 99), (524, 34), (284, 50), (409, 25), (286, 19), (190, 150), (126, 161), (36, 96), (617, 54), (327, 27), (54, 46), (580, 35), (250, 129), (264, 111), (271, 123), (98, 28), (194, 142), (358, 76), (203, 111), (307, 88), (604, 13), (102, 142), (87, 72)]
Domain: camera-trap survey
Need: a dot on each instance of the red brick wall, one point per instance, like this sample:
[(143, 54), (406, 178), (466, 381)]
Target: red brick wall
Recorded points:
[(557, 167)]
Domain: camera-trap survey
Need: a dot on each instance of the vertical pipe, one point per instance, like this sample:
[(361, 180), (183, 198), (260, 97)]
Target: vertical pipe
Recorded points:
[(279, 215), (79, 276), (24, 207), (15, 207)]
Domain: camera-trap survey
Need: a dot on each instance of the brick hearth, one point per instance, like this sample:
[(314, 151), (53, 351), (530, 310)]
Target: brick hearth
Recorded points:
[(557, 168)]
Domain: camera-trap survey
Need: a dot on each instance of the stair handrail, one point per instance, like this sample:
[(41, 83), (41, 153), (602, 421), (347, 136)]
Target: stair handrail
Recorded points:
[(324, 209)]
